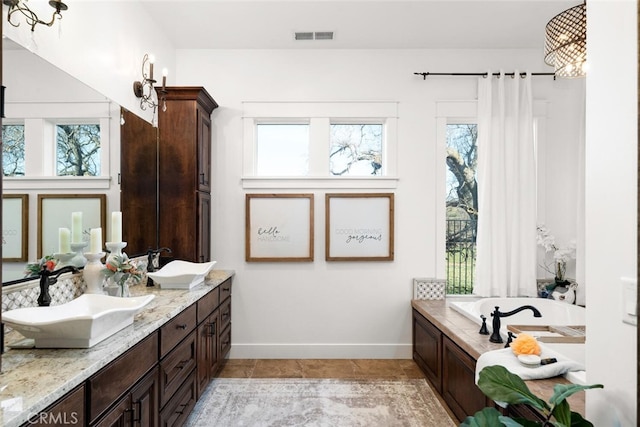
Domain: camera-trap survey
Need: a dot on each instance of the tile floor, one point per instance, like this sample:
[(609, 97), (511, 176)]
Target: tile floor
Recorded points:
[(322, 368)]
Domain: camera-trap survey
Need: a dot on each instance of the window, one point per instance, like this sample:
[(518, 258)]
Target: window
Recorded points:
[(282, 149), (356, 149), (461, 207), (13, 150), (78, 149), (315, 144)]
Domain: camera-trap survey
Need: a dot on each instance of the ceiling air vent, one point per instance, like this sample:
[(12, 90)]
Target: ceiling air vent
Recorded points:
[(318, 35), (304, 36), (324, 35)]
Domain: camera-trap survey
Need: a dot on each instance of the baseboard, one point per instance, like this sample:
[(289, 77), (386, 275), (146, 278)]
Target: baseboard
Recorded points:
[(320, 351)]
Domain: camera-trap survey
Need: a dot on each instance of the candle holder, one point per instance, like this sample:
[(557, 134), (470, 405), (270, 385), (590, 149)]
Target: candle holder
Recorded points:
[(115, 248), (92, 273), (63, 260), (79, 259)]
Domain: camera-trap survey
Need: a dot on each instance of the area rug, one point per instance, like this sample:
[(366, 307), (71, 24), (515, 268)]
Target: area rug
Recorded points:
[(231, 402)]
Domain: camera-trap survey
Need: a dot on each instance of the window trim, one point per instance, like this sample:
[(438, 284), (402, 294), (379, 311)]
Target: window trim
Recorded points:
[(319, 115)]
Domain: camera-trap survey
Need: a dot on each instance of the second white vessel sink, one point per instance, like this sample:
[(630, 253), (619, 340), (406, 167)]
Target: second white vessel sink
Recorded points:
[(180, 274), (80, 323)]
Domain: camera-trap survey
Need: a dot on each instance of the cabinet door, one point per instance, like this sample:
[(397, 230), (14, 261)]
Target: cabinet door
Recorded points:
[(203, 232), (427, 349), (145, 400), (204, 150), (120, 415), (207, 351), (459, 389)]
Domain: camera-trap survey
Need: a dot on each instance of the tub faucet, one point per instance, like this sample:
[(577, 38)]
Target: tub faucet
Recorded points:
[(497, 314), (48, 278), (151, 253)]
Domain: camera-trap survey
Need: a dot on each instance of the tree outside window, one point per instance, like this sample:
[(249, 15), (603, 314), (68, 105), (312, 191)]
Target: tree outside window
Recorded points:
[(356, 149), (462, 206), (78, 150), (13, 150)]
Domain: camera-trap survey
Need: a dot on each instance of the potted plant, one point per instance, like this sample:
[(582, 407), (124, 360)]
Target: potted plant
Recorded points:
[(500, 385)]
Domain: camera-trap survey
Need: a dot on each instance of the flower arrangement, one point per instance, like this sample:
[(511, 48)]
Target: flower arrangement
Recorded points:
[(47, 262), (560, 255), (119, 269)]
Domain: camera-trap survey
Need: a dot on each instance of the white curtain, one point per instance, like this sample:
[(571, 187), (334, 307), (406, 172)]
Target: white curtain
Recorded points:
[(506, 241)]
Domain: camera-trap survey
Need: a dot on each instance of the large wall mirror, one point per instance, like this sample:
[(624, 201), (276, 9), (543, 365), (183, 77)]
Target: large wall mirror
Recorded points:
[(47, 108)]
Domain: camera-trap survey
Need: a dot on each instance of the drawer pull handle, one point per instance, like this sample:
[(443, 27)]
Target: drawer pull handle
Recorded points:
[(225, 314), (212, 329), (181, 326), (226, 289), (182, 408), (183, 364)]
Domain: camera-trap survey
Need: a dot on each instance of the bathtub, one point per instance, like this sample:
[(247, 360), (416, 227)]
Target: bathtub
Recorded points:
[(553, 312)]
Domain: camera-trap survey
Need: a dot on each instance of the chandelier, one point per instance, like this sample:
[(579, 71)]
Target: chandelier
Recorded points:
[(565, 46)]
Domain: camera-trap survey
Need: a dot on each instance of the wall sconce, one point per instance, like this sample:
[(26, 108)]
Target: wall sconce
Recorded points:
[(145, 90), (30, 16), (565, 46)]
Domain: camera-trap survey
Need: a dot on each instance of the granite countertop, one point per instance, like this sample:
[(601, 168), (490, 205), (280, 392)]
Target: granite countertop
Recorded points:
[(464, 332), (33, 379)]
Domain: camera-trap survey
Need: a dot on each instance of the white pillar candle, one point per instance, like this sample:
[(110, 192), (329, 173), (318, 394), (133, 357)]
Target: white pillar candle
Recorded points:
[(95, 241), (116, 227), (64, 240), (76, 227)]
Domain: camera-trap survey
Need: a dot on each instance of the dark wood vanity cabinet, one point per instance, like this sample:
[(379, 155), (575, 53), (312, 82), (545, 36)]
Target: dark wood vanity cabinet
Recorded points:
[(448, 368), (68, 410), (184, 166), (427, 350)]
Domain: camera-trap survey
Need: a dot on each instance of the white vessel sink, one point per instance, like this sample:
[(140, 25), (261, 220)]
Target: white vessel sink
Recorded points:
[(81, 323), (182, 274)]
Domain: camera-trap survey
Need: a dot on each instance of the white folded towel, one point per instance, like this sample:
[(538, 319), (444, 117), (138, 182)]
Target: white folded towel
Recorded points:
[(509, 360)]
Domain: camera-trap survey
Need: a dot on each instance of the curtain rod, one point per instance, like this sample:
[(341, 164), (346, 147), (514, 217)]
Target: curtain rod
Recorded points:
[(523, 75)]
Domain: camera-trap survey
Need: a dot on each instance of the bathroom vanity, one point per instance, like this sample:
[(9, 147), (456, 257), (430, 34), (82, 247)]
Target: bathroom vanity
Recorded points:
[(151, 373), (446, 346)]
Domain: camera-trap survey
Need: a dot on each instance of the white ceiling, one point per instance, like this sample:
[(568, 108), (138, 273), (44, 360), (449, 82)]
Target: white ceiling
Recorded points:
[(357, 24)]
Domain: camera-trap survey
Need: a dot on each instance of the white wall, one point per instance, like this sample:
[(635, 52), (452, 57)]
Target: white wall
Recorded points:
[(354, 309), (100, 42), (611, 208)]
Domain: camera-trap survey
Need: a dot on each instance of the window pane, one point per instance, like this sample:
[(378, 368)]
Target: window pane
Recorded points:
[(283, 149), (13, 150), (78, 150), (356, 149), (462, 207)]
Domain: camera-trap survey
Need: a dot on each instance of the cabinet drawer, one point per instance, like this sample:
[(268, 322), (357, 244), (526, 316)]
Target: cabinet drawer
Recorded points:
[(177, 329), (68, 410), (225, 289), (224, 343), (208, 303), (177, 366), (114, 380), (177, 410), (225, 314)]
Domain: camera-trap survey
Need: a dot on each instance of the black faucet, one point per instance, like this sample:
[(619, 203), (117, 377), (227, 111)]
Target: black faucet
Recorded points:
[(495, 335), (151, 253), (48, 278)]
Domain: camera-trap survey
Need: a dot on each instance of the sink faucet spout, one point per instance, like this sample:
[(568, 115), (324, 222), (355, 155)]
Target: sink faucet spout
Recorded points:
[(48, 278), (497, 314)]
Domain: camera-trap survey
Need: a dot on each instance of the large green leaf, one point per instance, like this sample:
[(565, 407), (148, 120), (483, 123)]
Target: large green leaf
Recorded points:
[(562, 391), (502, 386), (578, 421), (562, 413), (489, 417)]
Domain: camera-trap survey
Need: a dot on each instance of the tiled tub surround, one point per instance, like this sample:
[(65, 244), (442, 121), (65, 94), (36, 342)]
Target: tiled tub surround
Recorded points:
[(464, 332), (34, 379)]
